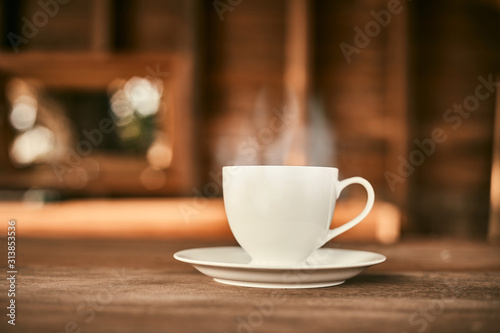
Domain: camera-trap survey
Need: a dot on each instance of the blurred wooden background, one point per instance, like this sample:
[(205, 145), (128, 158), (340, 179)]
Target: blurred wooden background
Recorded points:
[(236, 67)]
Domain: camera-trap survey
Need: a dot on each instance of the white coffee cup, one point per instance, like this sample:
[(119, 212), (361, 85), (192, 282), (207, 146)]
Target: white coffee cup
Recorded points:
[(281, 214)]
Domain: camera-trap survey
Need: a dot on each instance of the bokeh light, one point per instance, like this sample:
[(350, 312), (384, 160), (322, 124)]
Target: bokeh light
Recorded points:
[(144, 95), (32, 146), (23, 113)]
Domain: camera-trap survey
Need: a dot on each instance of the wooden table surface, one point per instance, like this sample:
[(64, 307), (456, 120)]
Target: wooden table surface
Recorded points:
[(136, 286)]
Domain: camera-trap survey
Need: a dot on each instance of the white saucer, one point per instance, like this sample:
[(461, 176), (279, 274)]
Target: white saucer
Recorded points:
[(325, 267)]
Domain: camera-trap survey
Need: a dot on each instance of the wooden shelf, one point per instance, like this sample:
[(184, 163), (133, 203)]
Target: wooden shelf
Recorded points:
[(202, 218), (87, 70)]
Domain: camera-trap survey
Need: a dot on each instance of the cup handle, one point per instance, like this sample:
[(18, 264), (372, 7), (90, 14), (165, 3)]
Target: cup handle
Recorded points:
[(369, 204)]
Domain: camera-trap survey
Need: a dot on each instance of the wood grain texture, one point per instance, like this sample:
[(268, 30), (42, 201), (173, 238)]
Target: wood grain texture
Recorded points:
[(136, 286)]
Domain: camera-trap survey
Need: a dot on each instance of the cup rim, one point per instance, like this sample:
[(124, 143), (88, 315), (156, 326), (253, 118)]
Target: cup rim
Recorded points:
[(279, 166)]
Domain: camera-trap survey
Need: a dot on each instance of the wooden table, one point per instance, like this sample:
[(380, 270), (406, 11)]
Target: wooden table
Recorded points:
[(136, 286)]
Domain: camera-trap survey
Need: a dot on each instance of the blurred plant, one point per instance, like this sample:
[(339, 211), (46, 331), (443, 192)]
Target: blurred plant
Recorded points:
[(134, 105)]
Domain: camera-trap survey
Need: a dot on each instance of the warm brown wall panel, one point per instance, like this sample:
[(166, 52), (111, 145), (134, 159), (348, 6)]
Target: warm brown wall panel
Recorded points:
[(353, 93), (157, 25), (68, 27), (454, 43), (244, 60)]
